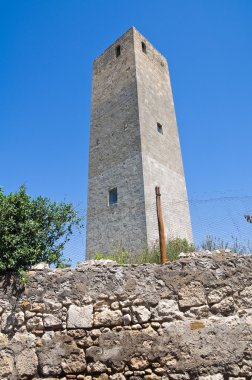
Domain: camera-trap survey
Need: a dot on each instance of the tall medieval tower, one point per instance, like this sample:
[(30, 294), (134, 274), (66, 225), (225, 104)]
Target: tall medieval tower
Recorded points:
[(134, 146)]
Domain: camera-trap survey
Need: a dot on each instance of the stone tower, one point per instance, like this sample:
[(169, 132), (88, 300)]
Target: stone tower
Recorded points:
[(134, 146)]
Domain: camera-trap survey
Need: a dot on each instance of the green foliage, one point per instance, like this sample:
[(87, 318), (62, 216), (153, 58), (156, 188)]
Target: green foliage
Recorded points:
[(120, 256), (173, 249), (33, 230), (176, 246)]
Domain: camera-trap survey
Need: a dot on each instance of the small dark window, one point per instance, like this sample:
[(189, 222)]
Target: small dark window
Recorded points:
[(118, 50), (159, 128), (113, 196), (144, 47)]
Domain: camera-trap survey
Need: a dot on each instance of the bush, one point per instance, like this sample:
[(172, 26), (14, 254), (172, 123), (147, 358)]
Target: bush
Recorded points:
[(33, 230)]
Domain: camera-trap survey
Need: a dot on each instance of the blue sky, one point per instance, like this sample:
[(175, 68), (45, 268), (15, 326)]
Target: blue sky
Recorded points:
[(47, 48)]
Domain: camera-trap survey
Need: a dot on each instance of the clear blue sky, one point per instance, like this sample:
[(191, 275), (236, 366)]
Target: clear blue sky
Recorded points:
[(46, 53)]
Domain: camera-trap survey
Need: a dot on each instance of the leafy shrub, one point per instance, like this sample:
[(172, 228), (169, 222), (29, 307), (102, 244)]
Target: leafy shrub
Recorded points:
[(33, 230)]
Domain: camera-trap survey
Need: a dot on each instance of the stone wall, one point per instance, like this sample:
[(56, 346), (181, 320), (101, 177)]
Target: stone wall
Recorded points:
[(191, 319)]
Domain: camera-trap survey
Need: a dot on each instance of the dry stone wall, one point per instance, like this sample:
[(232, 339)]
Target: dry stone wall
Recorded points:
[(191, 319)]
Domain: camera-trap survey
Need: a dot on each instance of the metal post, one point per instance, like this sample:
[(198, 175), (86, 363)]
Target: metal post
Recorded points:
[(160, 226)]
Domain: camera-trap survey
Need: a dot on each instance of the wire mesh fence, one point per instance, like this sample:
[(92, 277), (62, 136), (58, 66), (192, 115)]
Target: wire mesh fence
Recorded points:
[(218, 222)]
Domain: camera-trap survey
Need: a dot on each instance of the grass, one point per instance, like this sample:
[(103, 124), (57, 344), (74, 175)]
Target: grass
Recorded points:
[(173, 249), (212, 243)]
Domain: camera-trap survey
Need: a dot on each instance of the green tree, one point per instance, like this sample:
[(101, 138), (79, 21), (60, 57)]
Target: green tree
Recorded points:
[(33, 230)]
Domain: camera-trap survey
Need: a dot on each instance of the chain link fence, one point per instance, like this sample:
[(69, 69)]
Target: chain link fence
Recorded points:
[(216, 223)]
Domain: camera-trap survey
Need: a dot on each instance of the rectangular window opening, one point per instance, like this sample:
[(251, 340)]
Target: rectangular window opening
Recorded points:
[(118, 50), (159, 128), (144, 48), (113, 196)]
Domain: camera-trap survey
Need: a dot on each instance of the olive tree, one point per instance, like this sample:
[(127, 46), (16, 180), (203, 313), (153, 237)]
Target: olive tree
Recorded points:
[(33, 230)]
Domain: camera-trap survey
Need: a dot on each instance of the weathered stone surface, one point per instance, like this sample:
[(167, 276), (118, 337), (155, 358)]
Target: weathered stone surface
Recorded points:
[(108, 318), (26, 363), (166, 310), (141, 313), (128, 97), (137, 363), (192, 294), (35, 323), (142, 331), (40, 266), (3, 340), (199, 312), (52, 321), (245, 298), (218, 294), (74, 363), (117, 376), (218, 376), (80, 317), (96, 367), (6, 364), (224, 307)]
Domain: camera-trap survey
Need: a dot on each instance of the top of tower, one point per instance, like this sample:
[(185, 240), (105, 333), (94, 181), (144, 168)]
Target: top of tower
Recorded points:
[(132, 31)]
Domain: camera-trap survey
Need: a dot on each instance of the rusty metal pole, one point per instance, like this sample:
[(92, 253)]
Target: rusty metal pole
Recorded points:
[(160, 226)]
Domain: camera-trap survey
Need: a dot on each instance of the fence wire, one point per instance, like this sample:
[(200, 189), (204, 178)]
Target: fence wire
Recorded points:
[(216, 223)]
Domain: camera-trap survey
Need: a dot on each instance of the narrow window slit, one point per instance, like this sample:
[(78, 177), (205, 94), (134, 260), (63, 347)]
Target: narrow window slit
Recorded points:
[(113, 196), (144, 48), (159, 128), (118, 50)]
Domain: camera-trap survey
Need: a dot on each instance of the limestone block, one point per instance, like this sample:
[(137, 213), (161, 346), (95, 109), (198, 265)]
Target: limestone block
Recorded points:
[(117, 376), (102, 376), (218, 376), (178, 376), (74, 363), (138, 363), (166, 310), (35, 323), (224, 307), (200, 311), (8, 321), (80, 316), (141, 313), (245, 297), (23, 340), (6, 364), (192, 295), (26, 363), (19, 319), (40, 266), (108, 318), (152, 377), (37, 307), (126, 319), (51, 321), (3, 340), (218, 294), (96, 367)]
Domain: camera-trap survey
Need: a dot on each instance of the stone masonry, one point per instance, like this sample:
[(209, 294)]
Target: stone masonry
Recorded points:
[(191, 319), (131, 94)]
